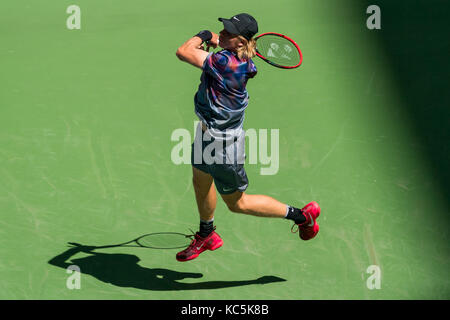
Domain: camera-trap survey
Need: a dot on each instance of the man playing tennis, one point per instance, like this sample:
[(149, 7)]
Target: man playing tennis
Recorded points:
[(220, 103)]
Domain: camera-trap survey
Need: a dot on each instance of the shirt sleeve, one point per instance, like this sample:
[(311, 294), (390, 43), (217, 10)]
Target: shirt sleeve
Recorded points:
[(252, 71), (216, 64)]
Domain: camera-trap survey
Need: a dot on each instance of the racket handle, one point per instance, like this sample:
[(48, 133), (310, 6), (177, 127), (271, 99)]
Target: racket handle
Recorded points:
[(208, 45)]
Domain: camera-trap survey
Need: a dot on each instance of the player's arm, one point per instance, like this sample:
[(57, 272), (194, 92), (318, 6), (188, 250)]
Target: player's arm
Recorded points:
[(192, 50), (62, 260)]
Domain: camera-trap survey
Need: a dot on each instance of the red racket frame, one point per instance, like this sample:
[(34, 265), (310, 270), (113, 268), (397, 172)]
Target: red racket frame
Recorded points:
[(275, 64)]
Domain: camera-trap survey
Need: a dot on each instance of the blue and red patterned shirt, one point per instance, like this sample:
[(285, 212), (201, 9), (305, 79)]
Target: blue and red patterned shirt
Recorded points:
[(222, 96)]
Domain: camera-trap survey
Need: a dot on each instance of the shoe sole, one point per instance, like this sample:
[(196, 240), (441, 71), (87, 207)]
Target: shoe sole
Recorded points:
[(315, 234)]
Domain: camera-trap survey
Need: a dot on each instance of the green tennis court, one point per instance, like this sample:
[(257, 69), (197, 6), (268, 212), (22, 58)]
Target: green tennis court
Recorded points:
[(86, 119)]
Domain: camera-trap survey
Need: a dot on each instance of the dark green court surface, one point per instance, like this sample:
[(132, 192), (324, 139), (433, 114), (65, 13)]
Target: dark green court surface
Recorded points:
[(86, 118)]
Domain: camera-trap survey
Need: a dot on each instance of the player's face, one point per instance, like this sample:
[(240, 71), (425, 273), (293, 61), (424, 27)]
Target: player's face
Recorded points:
[(229, 41)]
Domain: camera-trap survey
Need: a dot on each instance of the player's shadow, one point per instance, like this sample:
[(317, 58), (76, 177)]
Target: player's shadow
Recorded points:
[(123, 270)]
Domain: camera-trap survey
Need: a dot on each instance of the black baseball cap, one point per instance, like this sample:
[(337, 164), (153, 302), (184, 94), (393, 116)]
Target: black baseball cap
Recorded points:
[(242, 24)]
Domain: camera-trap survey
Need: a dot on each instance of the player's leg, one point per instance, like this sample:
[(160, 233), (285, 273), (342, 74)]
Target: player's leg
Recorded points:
[(206, 238), (205, 194), (265, 206), (231, 181), (257, 205)]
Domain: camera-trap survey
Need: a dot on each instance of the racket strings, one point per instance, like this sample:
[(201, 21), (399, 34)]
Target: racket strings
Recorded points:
[(278, 50)]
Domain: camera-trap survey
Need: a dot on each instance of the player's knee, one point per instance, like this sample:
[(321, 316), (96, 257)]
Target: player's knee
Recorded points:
[(237, 206)]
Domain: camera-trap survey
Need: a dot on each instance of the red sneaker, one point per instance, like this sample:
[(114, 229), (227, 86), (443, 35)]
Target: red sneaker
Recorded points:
[(198, 245), (310, 227)]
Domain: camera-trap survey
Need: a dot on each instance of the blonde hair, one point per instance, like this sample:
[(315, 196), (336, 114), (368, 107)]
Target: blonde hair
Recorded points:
[(248, 50)]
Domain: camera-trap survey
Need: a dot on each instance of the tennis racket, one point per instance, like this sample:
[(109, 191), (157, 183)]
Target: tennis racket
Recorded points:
[(277, 50)]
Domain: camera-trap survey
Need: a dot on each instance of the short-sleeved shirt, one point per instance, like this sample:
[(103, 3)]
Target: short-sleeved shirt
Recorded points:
[(222, 96)]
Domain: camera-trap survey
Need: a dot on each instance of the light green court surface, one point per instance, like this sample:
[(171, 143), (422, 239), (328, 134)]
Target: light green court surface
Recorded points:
[(86, 118)]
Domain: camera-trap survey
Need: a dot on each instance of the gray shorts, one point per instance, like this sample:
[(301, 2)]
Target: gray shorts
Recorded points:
[(223, 165)]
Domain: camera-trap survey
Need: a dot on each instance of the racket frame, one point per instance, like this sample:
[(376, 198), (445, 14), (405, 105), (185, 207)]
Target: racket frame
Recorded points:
[(273, 63)]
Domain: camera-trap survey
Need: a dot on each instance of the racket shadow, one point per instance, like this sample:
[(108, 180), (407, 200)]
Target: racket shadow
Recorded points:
[(123, 270)]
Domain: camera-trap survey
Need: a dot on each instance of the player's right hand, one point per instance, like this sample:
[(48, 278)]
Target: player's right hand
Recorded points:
[(214, 42)]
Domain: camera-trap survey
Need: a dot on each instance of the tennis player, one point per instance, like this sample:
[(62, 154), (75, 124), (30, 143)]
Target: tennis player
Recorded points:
[(220, 103)]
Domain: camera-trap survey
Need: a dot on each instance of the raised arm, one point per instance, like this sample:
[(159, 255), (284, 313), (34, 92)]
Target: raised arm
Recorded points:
[(192, 50), (62, 260)]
